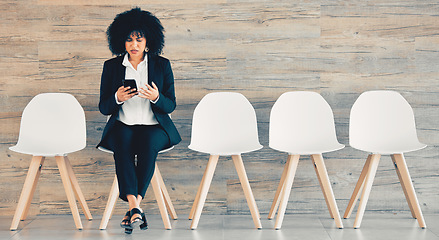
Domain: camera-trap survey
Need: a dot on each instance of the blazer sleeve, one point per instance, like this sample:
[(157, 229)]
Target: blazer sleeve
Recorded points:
[(107, 101), (166, 102)]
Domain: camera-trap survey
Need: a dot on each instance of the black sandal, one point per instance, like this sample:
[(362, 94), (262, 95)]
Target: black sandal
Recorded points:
[(128, 230), (136, 221), (144, 225), (126, 223)]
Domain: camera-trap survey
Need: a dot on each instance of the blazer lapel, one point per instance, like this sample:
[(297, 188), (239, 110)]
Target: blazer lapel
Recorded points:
[(120, 75)]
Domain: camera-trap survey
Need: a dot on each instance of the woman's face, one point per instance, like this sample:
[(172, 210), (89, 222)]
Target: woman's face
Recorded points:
[(135, 45)]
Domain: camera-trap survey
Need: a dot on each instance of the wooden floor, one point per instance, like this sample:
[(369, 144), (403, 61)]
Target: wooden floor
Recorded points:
[(375, 226)]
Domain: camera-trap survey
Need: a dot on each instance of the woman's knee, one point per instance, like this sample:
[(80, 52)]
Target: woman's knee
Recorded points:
[(153, 140)]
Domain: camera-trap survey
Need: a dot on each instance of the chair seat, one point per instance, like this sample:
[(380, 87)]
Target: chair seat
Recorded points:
[(392, 148), (111, 152), (225, 150), (45, 151), (309, 149)]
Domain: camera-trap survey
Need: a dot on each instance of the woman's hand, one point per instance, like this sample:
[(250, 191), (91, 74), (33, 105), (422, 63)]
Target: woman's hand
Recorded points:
[(151, 93), (125, 93)]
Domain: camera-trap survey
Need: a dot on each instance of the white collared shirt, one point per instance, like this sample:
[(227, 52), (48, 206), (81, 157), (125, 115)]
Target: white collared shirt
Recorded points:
[(136, 110)]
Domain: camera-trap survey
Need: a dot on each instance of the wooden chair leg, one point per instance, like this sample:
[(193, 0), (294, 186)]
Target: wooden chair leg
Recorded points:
[(195, 204), (276, 200), (112, 198), (407, 183), (374, 161), (77, 190), (160, 200), (61, 162), (323, 190), (293, 161), (326, 188), (357, 189), (204, 188), (197, 197), (165, 193), (116, 193), (31, 196), (403, 186), (32, 173), (239, 165)]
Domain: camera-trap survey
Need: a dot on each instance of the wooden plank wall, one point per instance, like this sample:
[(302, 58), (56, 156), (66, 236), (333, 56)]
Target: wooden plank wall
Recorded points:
[(259, 48)]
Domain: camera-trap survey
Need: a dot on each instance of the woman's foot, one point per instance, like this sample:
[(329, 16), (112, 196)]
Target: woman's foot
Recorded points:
[(136, 218), (126, 221)]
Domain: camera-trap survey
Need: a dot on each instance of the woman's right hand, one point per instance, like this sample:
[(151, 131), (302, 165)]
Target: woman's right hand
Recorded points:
[(125, 93)]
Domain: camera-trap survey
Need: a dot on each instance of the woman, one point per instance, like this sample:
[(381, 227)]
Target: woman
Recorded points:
[(139, 123)]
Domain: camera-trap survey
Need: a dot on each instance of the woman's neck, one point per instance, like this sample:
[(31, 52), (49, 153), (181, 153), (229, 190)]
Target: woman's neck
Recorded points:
[(135, 61)]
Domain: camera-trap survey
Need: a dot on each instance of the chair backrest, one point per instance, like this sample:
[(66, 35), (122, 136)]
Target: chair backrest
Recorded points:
[(383, 122), (52, 124), (302, 122), (224, 123)]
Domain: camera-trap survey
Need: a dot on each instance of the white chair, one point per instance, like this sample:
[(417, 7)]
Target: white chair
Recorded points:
[(302, 123), (224, 123), (52, 125), (382, 122), (160, 192)]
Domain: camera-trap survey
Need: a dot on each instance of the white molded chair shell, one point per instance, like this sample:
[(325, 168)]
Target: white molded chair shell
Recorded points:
[(52, 124), (224, 123), (383, 122), (302, 123)]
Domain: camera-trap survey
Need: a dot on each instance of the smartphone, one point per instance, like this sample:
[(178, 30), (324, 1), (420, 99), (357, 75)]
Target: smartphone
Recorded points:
[(130, 83)]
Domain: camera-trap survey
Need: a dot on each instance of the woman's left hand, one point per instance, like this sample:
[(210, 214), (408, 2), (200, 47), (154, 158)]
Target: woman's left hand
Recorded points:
[(148, 92)]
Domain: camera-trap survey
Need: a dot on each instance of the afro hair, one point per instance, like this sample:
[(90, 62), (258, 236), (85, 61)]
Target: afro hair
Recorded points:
[(140, 21)]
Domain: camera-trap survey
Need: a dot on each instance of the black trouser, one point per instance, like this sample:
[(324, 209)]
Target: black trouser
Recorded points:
[(143, 141)]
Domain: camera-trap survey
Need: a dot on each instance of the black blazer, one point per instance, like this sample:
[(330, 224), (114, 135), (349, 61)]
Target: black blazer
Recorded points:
[(159, 72)]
